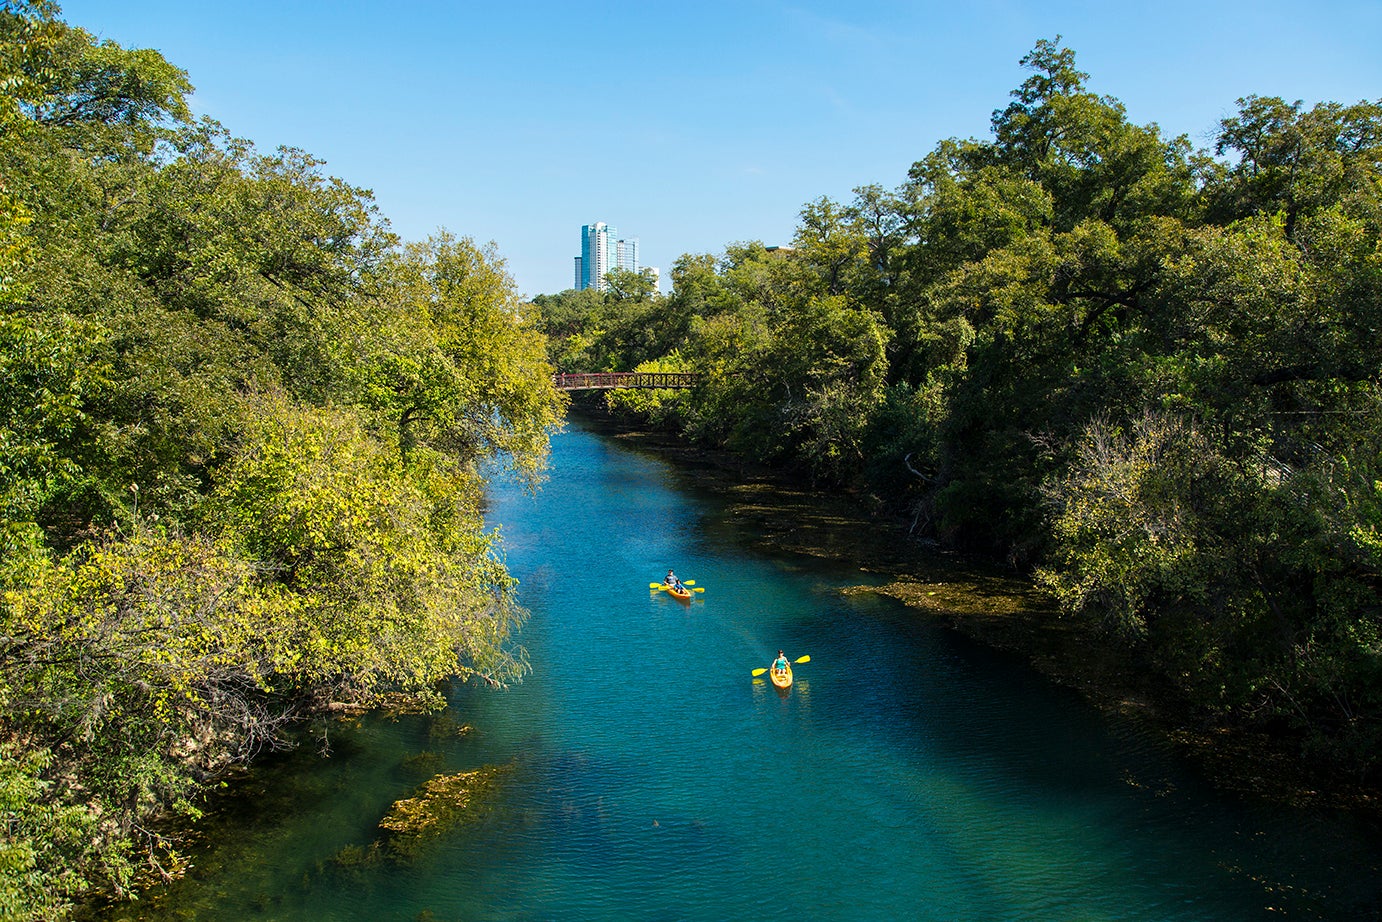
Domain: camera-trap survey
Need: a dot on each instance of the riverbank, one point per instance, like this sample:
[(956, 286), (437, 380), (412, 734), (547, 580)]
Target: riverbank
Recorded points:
[(1003, 611)]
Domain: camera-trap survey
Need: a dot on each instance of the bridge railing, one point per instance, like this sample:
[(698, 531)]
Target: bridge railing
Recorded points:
[(606, 380)]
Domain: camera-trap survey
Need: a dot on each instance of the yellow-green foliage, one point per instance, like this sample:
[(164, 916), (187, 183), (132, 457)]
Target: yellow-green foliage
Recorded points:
[(657, 405), (240, 430), (46, 845), (448, 355), (393, 579), (135, 665)]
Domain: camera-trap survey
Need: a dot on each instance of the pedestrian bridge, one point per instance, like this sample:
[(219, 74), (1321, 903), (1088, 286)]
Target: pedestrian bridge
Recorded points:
[(609, 380)]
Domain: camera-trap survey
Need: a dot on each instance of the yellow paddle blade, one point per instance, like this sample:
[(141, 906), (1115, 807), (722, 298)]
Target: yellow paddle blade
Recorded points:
[(688, 582), (804, 659), (654, 585), (758, 672), (699, 589)]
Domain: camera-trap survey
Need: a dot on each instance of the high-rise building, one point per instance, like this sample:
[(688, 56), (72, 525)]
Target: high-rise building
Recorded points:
[(601, 251), (626, 254)]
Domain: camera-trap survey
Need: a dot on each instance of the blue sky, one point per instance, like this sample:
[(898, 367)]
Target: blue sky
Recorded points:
[(692, 125)]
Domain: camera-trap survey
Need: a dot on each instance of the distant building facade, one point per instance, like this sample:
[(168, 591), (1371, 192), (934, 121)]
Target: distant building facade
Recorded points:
[(601, 251), (626, 254)]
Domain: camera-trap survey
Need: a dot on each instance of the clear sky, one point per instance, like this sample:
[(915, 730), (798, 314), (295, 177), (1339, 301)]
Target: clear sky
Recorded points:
[(694, 124)]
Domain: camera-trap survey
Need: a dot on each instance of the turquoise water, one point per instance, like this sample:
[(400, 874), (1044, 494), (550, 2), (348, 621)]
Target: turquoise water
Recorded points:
[(907, 774)]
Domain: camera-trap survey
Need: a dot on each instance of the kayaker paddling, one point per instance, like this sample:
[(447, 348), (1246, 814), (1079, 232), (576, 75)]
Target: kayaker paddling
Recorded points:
[(676, 588), (780, 664), (782, 672)]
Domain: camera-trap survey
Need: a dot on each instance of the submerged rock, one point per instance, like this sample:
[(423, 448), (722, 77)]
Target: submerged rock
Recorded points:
[(442, 804)]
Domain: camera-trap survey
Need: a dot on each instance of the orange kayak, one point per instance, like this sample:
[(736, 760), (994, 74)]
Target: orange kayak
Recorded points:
[(680, 592), (781, 679)]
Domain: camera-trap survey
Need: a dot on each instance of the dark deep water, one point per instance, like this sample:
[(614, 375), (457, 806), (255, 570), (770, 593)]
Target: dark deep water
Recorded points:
[(909, 773)]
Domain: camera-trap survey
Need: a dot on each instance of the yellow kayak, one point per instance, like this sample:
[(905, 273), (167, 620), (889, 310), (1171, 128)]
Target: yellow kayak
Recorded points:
[(781, 679)]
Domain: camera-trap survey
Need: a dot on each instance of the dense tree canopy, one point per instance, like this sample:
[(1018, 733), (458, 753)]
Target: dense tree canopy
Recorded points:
[(242, 431), (1149, 375), (242, 426)]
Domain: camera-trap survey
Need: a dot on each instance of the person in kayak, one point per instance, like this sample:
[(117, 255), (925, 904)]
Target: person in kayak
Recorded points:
[(780, 664), (672, 580)]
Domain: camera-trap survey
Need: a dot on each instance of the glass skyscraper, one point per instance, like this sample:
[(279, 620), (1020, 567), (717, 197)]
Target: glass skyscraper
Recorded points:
[(601, 251)]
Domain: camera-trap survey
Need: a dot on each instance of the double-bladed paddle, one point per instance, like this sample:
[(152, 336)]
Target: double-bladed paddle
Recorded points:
[(799, 660)]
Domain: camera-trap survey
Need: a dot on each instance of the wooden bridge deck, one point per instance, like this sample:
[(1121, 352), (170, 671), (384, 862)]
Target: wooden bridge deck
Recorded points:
[(608, 380)]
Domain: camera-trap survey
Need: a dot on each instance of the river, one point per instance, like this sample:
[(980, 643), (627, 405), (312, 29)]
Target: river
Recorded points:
[(909, 773)]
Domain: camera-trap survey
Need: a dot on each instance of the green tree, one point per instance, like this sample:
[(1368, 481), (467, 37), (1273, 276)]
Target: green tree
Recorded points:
[(662, 407), (453, 361), (1293, 162), (241, 436)]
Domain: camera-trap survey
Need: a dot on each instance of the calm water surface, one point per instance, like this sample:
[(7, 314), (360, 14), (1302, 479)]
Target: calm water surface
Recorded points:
[(907, 774)]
